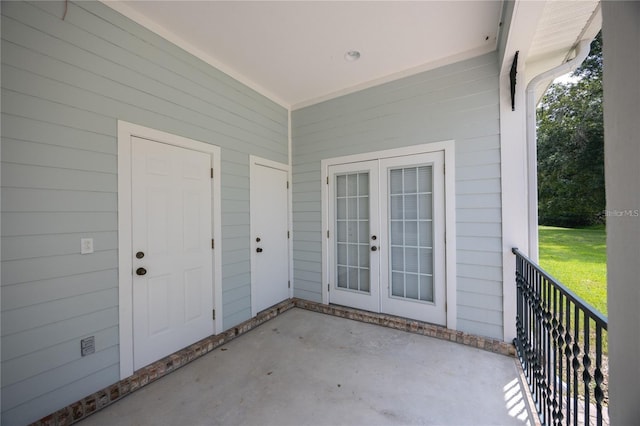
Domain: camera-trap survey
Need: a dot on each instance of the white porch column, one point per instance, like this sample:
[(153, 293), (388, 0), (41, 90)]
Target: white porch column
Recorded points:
[(521, 21), (621, 48)]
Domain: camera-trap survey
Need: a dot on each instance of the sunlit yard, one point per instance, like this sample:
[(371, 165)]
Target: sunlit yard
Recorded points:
[(578, 259)]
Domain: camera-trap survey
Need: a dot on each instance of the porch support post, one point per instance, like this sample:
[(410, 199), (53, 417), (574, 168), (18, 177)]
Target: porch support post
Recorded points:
[(621, 38), (520, 21)]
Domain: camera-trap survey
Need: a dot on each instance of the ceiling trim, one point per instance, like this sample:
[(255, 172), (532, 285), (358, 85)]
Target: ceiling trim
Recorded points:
[(396, 76), (520, 32), (542, 64), (170, 36)]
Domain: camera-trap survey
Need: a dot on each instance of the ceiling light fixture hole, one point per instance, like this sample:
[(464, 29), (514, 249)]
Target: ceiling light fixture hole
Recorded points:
[(352, 55)]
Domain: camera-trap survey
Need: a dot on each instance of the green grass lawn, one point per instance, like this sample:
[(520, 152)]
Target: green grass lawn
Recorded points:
[(578, 259)]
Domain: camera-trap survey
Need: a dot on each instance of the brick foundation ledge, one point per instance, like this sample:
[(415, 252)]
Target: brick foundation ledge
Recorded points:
[(85, 407), (412, 326)]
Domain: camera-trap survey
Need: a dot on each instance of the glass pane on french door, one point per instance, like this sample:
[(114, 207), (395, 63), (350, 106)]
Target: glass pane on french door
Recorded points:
[(352, 229), (410, 215)]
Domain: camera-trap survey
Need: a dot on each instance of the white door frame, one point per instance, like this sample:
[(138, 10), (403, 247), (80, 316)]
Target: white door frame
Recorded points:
[(448, 147), (253, 162), (125, 269)]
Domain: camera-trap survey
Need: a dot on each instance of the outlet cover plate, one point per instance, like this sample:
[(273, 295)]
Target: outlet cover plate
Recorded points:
[(86, 245)]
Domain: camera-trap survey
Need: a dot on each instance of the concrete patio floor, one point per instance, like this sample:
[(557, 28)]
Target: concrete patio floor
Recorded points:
[(307, 368)]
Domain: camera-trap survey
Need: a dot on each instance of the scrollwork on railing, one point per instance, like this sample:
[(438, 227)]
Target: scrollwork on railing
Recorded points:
[(560, 343)]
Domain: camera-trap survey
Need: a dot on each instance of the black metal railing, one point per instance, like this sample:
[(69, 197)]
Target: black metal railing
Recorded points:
[(561, 342)]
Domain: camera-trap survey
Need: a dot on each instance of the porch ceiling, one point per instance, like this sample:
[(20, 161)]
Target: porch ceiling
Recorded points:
[(294, 51), (561, 26)]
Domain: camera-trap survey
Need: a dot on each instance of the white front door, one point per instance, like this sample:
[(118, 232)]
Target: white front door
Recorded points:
[(172, 256), (387, 240), (269, 234)]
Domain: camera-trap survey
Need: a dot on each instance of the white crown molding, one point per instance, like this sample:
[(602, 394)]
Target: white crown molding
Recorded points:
[(168, 35)]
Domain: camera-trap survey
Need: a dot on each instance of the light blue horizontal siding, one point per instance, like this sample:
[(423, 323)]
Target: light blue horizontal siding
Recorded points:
[(64, 86), (36, 293), (39, 177), (40, 338), (42, 154), (34, 316), (37, 200), (477, 325), (458, 101), (30, 246), (40, 268), (21, 128), (39, 223), (237, 281), (475, 286), (36, 363)]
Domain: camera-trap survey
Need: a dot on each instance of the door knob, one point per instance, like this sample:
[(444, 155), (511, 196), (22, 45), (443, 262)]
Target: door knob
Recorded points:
[(257, 239), (373, 237), (259, 250), (141, 271), (139, 255), (374, 248)]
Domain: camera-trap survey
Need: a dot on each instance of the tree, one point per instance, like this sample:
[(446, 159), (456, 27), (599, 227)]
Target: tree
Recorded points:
[(571, 188)]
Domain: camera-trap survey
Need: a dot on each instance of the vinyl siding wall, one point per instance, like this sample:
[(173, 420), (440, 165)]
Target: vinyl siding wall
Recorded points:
[(459, 102), (64, 86)]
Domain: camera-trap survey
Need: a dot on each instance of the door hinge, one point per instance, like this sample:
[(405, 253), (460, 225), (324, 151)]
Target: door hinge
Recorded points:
[(327, 233), (213, 244), (288, 234), (327, 180), (287, 184), (212, 173), (328, 288), (444, 169), (289, 284), (213, 314)]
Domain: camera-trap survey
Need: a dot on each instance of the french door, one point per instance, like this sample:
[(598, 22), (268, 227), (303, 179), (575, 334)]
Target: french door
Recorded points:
[(354, 231), (386, 236)]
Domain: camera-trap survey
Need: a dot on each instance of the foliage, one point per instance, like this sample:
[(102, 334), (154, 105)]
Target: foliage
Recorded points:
[(571, 148), (578, 259)]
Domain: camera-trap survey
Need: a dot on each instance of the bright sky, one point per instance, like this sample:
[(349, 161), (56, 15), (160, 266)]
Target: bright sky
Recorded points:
[(566, 78)]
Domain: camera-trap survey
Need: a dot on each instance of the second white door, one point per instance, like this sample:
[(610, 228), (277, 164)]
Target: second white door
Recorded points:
[(269, 234)]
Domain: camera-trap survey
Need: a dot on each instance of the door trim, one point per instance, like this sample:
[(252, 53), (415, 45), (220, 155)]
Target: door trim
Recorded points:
[(253, 162), (448, 147), (125, 278)]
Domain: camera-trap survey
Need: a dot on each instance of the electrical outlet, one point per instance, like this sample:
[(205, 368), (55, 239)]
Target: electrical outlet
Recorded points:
[(86, 245)]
